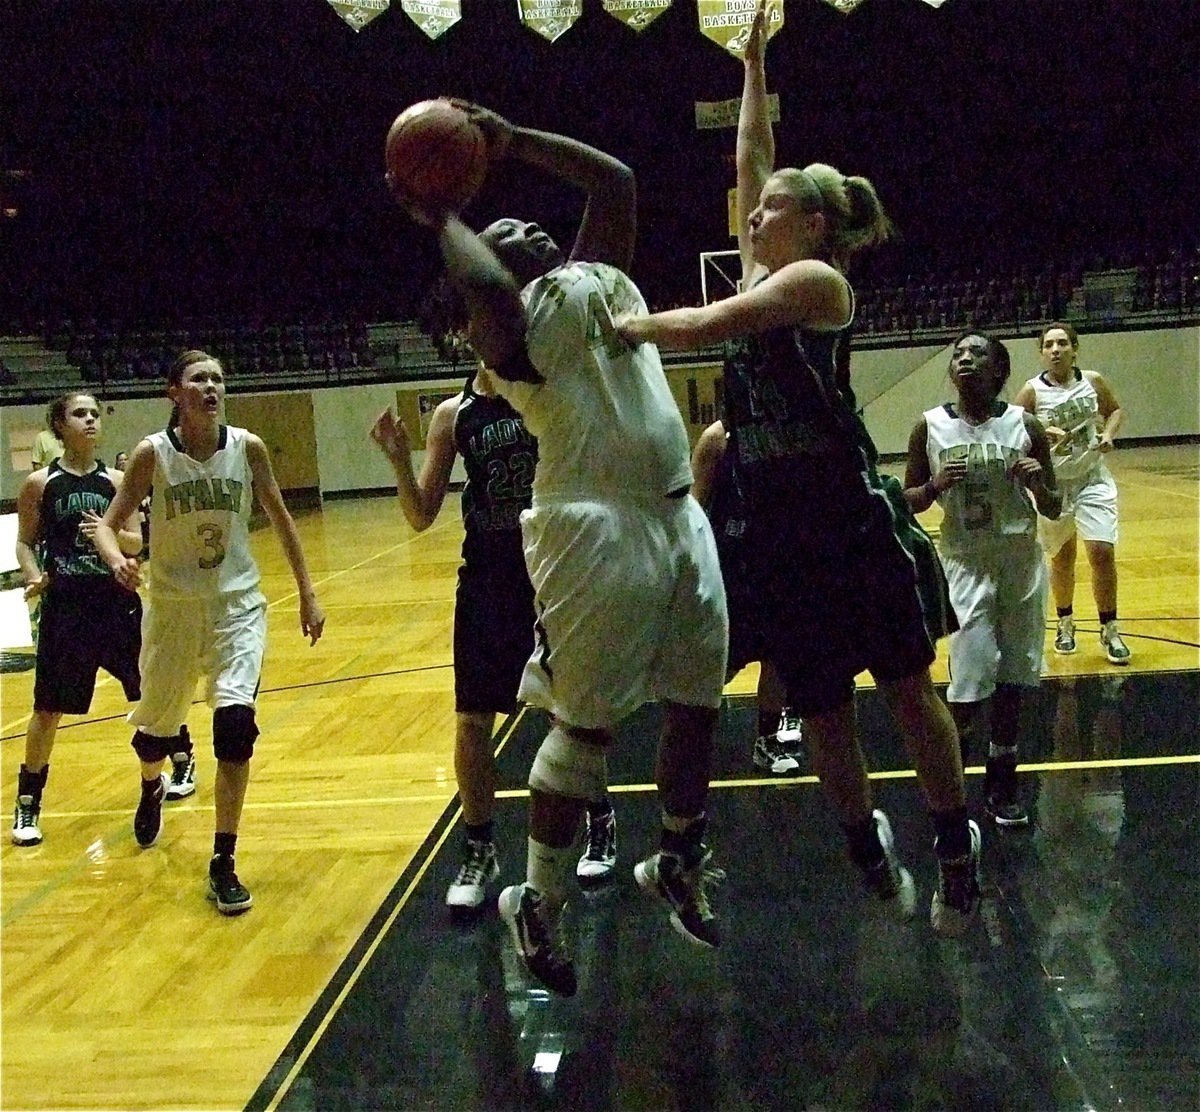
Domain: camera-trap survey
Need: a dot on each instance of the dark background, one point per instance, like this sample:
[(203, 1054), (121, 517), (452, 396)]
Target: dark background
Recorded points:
[(219, 157)]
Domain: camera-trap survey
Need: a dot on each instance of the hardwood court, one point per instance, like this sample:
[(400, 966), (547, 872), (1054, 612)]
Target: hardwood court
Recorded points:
[(121, 985)]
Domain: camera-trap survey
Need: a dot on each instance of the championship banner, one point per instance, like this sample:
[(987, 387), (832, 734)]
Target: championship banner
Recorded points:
[(724, 113), (549, 18), (636, 14), (358, 13), (434, 17), (728, 22)]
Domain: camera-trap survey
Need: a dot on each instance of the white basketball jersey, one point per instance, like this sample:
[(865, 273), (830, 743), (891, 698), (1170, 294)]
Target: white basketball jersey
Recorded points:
[(1074, 408), (605, 420), (199, 519), (988, 503)]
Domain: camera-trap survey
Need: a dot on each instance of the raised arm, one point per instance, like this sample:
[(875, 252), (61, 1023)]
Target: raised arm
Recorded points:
[(420, 497), (312, 617), (755, 138), (608, 229), (495, 315)]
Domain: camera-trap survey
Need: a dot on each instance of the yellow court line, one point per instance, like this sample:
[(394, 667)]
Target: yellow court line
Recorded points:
[(897, 774)]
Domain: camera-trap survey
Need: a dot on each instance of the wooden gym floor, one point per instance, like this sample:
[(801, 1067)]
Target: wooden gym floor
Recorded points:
[(345, 985)]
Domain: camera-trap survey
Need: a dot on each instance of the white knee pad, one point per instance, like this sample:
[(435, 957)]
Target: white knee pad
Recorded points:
[(564, 765)]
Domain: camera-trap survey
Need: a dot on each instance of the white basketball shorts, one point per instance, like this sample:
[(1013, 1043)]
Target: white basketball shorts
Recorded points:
[(630, 608), (1089, 508), (222, 638)]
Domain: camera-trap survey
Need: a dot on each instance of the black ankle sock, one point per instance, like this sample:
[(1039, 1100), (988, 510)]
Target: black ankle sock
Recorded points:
[(862, 841), (32, 783), (1065, 611), (224, 845), (1107, 616), (687, 844), (484, 832), (599, 808), (953, 834)]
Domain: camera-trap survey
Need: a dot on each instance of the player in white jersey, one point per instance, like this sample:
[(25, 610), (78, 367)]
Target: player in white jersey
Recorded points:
[(205, 614), (1081, 415), (981, 459), (628, 591)]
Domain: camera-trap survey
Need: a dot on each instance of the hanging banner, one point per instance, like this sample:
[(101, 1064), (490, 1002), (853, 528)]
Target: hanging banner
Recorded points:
[(636, 14), (728, 22), (434, 17), (724, 113), (358, 13), (847, 6), (549, 18)]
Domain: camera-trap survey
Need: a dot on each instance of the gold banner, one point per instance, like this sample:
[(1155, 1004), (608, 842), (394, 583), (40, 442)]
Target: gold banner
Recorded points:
[(727, 22), (358, 13), (434, 17), (724, 113), (637, 14), (549, 18)]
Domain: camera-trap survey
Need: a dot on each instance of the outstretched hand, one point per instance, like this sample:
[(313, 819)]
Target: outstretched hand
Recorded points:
[(756, 44)]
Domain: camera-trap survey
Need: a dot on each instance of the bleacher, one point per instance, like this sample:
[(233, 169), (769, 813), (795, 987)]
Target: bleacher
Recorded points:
[(120, 359)]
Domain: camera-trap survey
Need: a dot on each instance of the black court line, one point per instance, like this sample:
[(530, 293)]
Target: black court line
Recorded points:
[(279, 1077), (1077, 989)]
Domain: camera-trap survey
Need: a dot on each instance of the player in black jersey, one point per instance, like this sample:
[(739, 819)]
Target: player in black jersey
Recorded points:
[(493, 612), (88, 622), (777, 748), (830, 544)]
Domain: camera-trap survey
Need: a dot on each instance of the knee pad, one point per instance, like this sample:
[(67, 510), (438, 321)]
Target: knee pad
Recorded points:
[(565, 765), (234, 731), (150, 748)]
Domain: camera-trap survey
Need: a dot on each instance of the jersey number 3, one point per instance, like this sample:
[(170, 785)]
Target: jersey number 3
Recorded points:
[(214, 551)]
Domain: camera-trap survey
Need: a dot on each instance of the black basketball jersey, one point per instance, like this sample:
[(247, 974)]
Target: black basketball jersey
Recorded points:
[(801, 452), (67, 554), (500, 456)]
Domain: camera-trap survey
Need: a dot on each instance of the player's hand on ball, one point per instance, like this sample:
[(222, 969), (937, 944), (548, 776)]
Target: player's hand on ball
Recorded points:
[(391, 435), (312, 618), (497, 130)]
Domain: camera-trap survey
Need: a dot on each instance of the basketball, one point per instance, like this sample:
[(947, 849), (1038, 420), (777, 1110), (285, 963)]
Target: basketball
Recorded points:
[(437, 154)]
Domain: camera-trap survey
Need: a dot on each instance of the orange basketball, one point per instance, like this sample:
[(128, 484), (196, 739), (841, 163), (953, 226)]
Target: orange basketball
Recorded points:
[(437, 154)]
